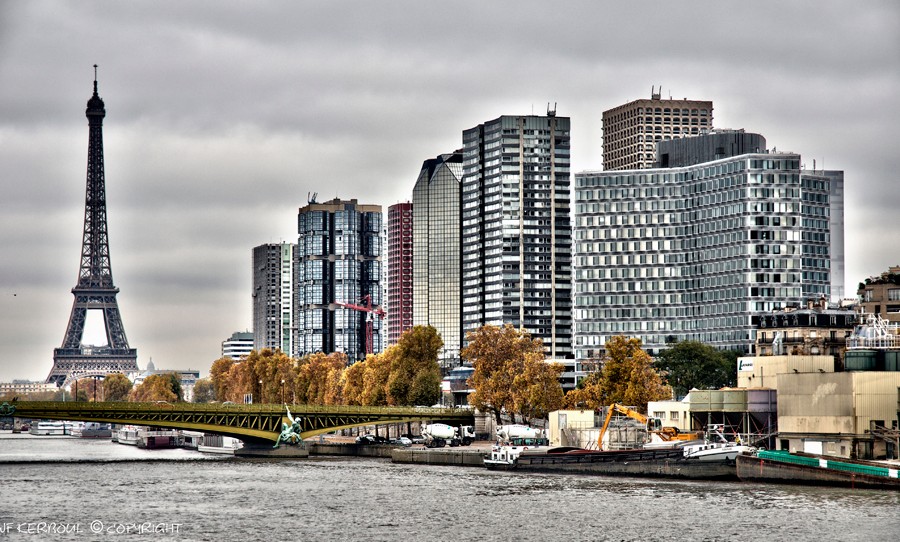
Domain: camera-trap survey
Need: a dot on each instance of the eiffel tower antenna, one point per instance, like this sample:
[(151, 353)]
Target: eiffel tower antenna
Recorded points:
[(95, 289)]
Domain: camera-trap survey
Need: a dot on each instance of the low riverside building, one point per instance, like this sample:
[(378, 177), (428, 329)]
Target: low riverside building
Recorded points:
[(847, 409)]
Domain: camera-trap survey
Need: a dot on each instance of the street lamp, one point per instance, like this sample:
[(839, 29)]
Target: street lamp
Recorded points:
[(260, 393), (282, 391)]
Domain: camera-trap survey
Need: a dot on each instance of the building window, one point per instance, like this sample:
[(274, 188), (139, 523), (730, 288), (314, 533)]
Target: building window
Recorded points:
[(893, 294), (673, 416)]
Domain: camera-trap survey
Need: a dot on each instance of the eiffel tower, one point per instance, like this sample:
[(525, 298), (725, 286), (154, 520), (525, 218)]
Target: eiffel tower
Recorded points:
[(95, 289)]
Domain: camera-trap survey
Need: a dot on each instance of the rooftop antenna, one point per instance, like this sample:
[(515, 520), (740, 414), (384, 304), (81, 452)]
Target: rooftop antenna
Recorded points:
[(311, 197), (551, 112), (95, 79)]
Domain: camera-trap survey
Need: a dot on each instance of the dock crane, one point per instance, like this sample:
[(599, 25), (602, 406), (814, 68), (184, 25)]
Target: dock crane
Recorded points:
[(652, 424), (371, 313)]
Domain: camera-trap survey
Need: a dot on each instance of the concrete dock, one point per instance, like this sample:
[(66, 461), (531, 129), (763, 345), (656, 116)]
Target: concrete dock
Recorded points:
[(465, 457)]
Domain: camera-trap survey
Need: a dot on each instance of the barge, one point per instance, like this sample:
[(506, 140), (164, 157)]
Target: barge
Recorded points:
[(655, 463), (786, 468)]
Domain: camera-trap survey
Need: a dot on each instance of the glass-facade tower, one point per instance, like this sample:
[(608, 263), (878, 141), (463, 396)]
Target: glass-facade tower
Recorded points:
[(436, 254), (339, 247), (694, 252), (516, 234)]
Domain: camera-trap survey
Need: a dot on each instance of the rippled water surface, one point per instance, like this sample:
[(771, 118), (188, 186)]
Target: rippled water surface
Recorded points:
[(98, 485)]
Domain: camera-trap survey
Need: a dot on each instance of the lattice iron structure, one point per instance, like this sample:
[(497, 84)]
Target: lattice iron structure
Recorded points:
[(260, 423), (95, 289)]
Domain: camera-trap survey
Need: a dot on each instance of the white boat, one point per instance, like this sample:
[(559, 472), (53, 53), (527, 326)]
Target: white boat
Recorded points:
[(218, 444), (716, 447), (505, 453), (129, 435), (191, 439), (48, 429)]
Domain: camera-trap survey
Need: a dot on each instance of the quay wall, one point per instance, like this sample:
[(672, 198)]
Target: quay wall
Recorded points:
[(438, 456), (349, 448)]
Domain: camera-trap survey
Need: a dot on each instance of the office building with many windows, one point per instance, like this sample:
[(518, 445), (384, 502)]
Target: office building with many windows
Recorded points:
[(339, 293), (436, 252), (399, 270), (697, 251), (273, 297), (516, 233), (238, 346), (632, 131)]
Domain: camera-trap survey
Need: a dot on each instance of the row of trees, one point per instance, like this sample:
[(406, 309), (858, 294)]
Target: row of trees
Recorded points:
[(405, 374), (510, 376)]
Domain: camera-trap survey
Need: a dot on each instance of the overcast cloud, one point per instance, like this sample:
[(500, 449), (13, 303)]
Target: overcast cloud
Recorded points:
[(223, 116)]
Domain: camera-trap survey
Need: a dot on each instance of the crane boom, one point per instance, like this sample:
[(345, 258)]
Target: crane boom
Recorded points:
[(371, 312)]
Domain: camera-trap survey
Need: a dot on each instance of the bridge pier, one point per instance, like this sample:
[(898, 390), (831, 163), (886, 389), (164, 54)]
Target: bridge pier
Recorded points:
[(252, 449)]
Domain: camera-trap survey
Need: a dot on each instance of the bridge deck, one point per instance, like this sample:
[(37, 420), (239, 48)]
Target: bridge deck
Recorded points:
[(248, 422)]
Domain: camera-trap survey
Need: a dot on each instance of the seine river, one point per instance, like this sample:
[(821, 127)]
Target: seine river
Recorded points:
[(61, 488)]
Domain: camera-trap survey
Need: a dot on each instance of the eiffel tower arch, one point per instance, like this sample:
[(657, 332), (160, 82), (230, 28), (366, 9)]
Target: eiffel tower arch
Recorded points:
[(95, 289)]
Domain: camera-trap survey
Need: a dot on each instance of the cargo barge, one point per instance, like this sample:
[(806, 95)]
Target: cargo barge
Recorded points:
[(654, 463), (786, 468)]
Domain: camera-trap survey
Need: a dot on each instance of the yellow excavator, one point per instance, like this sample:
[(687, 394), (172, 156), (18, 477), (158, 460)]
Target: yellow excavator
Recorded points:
[(653, 425)]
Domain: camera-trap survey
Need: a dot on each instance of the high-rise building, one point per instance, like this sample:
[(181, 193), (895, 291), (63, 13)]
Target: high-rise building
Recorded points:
[(698, 250), (631, 131), (273, 297), (338, 301), (516, 234), (399, 270), (238, 346), (436, 252)]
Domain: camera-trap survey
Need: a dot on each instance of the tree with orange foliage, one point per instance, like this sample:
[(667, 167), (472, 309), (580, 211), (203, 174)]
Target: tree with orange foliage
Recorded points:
[(626, 376), (158, 387), (498, 355)]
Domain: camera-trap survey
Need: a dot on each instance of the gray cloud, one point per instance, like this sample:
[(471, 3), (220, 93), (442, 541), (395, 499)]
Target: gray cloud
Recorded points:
[(221, 118)]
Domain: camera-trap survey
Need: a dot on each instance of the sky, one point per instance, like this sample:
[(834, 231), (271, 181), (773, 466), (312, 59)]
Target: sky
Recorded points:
[(222, 117)]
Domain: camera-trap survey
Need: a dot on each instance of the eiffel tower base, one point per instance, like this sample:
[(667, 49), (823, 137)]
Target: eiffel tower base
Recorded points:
[(70, 364)]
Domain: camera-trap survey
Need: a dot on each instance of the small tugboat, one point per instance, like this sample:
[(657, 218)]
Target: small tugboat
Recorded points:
[(505, 454), (716, 447)]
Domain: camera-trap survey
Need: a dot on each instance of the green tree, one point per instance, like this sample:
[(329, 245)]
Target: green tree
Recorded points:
[(116, 387), (692, 364), (415, 376), (204, 391), (498, 355)]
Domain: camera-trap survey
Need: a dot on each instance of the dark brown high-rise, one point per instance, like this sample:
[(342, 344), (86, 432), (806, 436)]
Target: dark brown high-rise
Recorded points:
[(631, 131), (95, 289)]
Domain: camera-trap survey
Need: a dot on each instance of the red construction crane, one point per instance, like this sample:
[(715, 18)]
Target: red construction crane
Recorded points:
[(371, 313)]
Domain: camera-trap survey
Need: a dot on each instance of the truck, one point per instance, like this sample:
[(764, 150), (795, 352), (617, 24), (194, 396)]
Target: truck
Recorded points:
[(438, 435), (509, 432)]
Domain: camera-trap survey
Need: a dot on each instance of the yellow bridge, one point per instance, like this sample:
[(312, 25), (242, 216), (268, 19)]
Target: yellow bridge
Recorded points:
[(261, 423)]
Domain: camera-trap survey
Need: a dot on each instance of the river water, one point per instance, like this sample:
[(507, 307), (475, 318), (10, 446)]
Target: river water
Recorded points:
[(62, 488)]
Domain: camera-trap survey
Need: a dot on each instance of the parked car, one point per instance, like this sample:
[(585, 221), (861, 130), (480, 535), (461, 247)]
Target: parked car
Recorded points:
[(365, 439), (402, 441)]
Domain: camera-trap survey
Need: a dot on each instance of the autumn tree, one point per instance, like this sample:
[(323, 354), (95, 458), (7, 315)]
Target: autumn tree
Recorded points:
[(158, 387), (218, 373), (538, 391), (116, 387), (498, 355), (353, 383), (375, 377), (415, 376), (626, 376), (89, 389), (204, 391), (317, 377), (692, 364)]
